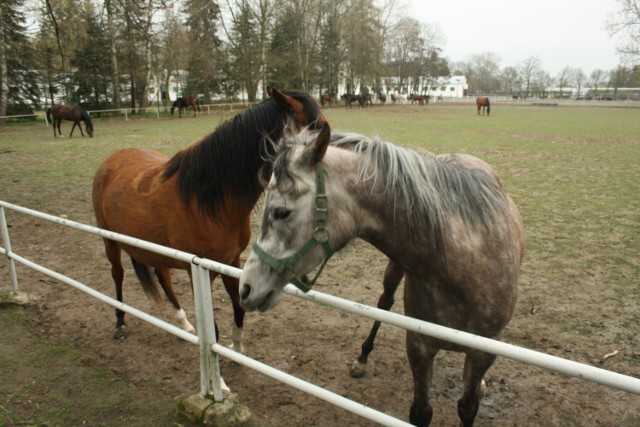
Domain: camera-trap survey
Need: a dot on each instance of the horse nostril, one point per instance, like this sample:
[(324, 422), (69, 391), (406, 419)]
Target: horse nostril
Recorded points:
[(245, 291)]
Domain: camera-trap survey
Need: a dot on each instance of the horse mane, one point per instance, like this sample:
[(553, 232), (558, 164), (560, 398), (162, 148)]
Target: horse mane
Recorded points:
[(429, 191), (227, 160), (85, 117)]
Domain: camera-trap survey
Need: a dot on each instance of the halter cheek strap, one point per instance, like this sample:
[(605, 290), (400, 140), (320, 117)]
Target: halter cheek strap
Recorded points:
[(320, 237)]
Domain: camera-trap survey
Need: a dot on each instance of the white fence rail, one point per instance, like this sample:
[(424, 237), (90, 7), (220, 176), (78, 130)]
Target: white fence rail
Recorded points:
[(209, 349)]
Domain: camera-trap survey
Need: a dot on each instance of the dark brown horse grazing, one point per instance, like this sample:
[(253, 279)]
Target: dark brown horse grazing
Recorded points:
[(420, 99), (182, 103), (198, 201), (72, 113), (451, 230), (482, 102)]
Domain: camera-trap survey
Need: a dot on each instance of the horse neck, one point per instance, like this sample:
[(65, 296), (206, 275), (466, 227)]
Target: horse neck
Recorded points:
[(226, 163)]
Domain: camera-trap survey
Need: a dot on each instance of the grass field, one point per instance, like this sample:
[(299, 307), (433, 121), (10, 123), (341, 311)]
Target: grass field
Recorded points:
[(573, 172)]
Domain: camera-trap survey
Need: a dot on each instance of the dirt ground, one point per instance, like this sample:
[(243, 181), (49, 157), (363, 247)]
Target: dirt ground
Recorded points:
[(311, 342)]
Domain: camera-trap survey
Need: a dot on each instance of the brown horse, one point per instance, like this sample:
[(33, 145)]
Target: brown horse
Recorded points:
[(182, 103), (420, 99), (328, 99), (198, 201), (482, 102), (72, 113)]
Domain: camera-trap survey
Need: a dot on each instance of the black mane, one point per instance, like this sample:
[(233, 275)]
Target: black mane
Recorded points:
[(230, 158)]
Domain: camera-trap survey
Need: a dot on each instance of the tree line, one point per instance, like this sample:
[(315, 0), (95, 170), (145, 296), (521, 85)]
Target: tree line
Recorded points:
[(124, 53), (110, 53)]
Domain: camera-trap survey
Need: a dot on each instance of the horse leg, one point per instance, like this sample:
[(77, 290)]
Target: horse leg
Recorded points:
[(59, 131), (80, 127), (476, 364), (232, 285), (194, 110), (164, 277), (421, 361), (392, 278), (72, 128), (113, 252)]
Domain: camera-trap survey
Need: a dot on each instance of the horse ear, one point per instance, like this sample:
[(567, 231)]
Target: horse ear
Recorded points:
[(286, 102), (269, 91), (315, 151)]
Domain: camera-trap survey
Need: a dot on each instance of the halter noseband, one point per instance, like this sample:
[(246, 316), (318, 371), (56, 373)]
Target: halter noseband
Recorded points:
[(320, 237)]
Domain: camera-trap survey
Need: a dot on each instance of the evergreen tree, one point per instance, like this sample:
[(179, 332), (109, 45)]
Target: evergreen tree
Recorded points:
[(18, 80), (92, 72)]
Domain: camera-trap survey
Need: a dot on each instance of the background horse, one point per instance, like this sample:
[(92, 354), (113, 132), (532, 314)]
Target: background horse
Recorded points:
[(382, 97), (198, 201), (349, 98), (328, 99), (72, 113), (182, 103), (420, 99), (453, 232), (482, 102)]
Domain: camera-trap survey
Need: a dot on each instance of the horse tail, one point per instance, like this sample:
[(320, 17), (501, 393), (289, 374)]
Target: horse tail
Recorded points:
[(49, 116), (149, 284), (488, 105)]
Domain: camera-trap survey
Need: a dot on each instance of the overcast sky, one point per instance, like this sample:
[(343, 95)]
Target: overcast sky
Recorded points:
[(559, 32)]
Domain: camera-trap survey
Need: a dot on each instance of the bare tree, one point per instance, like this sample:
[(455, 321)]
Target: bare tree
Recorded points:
[(486, 73), (529, 69), (564, 77), (511, 82), (627, 25), (596, 79), (113, 51), (579, 79)]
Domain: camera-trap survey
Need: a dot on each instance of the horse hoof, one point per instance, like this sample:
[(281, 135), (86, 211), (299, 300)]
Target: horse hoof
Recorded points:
[(237, 348), (358, 370), (484, 389), (121, 333)]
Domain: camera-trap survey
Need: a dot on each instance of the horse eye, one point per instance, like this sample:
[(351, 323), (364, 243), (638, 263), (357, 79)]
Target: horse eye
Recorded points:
[(281, 213)]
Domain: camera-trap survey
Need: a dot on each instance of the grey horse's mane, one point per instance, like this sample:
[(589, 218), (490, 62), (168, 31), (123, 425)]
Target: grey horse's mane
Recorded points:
[(430, 192)]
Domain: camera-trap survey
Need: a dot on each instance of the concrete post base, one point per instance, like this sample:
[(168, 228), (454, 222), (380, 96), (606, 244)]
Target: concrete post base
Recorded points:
[(203, 410)]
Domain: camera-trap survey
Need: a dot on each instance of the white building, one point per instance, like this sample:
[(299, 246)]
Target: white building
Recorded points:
[(449, 87)]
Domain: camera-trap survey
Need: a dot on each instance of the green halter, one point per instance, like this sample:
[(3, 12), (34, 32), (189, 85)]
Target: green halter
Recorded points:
[(320, 237)]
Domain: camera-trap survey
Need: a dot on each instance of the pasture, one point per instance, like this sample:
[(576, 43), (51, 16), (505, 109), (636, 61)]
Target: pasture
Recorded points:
[(573, 172)]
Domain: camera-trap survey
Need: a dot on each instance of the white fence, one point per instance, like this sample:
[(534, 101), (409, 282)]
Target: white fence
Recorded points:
[(209, 349)]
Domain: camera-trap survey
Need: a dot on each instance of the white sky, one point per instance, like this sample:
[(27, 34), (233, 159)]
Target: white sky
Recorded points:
[(559, 32)]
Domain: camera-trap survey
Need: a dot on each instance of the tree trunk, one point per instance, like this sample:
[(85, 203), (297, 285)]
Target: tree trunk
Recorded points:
[(4, 85), (115, 74)]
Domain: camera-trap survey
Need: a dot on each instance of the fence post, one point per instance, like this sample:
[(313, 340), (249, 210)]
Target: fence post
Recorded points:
[(7, 249), (210, 380)]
